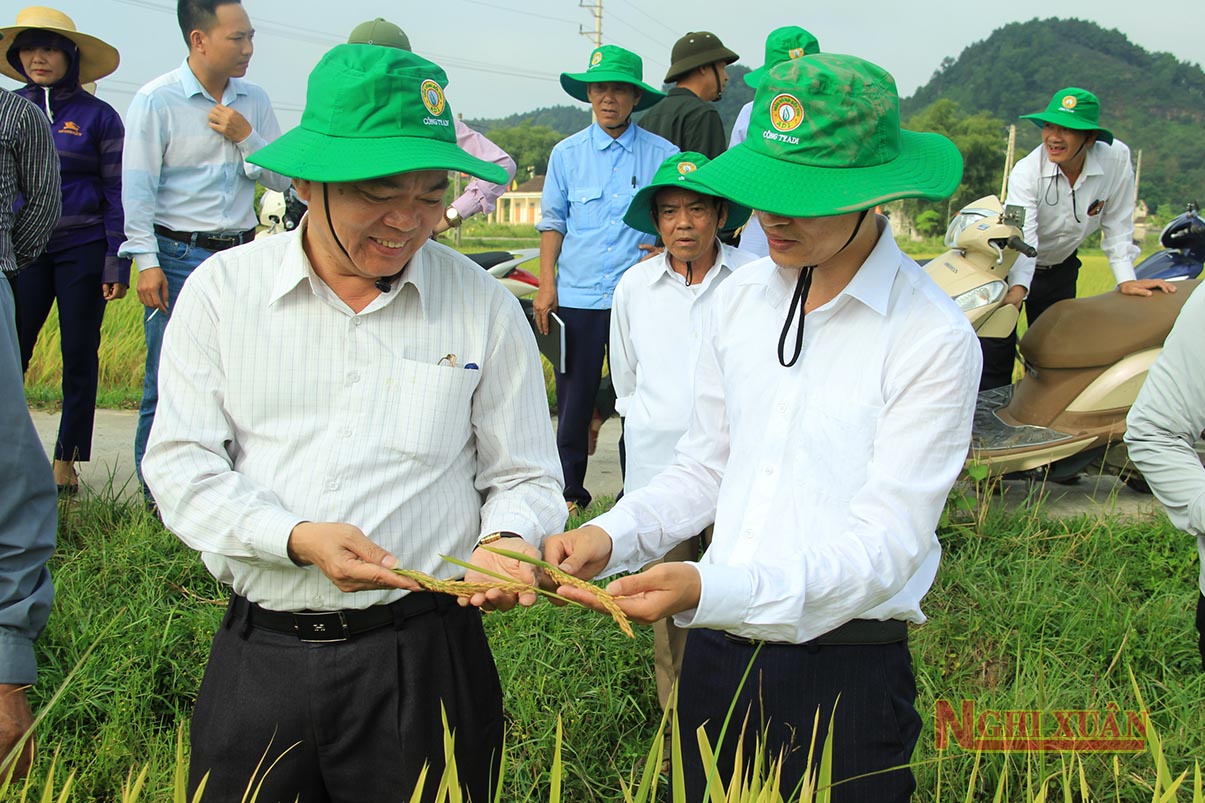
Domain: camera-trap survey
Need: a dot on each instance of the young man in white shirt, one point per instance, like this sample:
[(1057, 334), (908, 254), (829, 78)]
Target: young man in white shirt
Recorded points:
[(187, 190), (1077, 181), (824, 456), (340, 400), (657, 324)]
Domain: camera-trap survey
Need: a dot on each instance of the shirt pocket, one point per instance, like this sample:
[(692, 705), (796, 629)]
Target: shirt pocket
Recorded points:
[(587, 209), (429, 409), (844, 435)]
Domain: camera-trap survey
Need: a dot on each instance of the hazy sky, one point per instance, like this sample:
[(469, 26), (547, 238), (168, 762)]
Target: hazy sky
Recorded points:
[(505, 56)]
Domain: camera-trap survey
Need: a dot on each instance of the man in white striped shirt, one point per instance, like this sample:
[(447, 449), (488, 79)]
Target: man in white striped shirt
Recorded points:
[(339, 401)]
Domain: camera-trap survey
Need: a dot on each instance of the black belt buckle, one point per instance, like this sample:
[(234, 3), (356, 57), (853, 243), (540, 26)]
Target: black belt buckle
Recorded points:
[(321, 628)]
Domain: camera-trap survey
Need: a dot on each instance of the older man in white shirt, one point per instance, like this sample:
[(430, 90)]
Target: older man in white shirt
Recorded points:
[(824, 456), (339, 401), (657, 325)]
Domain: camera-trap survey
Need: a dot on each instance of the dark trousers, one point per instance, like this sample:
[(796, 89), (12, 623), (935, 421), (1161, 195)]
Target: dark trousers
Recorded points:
[(355, 720), (1049, 286), (876, 725), (1201, 627), (586, 334), (73, 279)]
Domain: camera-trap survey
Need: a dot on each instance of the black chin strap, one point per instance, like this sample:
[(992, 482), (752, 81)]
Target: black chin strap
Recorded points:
[(799, 299), (689, 273), (385, 283), (719, 88)]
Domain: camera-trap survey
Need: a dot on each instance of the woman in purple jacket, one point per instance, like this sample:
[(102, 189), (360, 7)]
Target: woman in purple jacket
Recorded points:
[(80, 268)]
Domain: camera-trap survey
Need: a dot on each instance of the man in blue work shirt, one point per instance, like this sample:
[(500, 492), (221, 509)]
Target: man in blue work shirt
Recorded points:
[(584, 245)]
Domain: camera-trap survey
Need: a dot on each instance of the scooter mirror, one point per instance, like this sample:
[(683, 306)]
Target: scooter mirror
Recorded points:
[(1014, 216)]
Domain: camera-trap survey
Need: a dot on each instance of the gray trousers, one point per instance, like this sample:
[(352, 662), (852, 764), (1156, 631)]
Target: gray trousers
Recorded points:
[(28, 513)]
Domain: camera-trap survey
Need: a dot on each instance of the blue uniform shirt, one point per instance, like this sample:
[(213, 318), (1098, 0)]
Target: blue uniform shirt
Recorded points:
[(591, 180)]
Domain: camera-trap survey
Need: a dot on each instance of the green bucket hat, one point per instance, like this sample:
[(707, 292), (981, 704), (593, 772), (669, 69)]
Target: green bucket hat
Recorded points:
[(1073, 108), (825, 139), (783, 44), (611, 63), (697, 49), (370, 112), (677, 171), (379, 31)]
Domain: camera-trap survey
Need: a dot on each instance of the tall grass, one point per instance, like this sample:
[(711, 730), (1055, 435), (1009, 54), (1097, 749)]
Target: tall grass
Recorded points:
[(1026, 613)]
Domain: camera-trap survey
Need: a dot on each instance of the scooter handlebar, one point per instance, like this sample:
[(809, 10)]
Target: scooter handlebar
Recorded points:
[(1017, 244)]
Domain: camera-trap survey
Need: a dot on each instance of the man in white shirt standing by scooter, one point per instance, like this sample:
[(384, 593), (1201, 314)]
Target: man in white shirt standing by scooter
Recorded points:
[(1078, 180)]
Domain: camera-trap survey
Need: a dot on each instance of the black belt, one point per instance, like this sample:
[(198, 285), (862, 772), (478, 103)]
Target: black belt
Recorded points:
[(1071, 261), (329, 626), (210, 242), (853, 632)]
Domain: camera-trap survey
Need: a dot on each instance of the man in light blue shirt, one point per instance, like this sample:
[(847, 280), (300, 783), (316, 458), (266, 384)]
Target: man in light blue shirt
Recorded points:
[(186, 189), (584, 244)]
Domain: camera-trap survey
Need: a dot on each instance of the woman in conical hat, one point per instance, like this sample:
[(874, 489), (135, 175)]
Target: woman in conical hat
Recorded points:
[(80, 268)]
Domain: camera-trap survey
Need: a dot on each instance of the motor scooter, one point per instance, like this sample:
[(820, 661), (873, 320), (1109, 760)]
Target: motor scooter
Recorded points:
[(1183, 254), (1085, 359)]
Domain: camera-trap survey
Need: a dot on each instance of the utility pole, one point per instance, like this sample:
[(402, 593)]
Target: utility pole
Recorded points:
[(595, 35), (595, 10)]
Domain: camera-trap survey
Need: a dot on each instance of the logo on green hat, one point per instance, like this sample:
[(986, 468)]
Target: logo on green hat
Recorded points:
[(795, 52), (1069, 101), (786, 112), (687, 167), (596, 59), (433, 97)]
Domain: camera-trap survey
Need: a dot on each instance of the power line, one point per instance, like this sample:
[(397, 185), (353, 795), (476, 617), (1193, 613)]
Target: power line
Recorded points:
[(520, 11), (651, 17)]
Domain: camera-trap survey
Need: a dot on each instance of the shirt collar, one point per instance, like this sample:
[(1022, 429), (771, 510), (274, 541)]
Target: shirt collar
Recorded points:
[(871, 285), (192, 85), (666, 271), (295, 268), (601, 140)]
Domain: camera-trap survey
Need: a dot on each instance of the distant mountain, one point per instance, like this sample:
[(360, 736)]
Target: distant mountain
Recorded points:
[(1151, 101), (567, 120), (564, 120)]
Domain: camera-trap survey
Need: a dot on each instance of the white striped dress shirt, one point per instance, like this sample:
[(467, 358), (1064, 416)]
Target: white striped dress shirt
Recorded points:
[(278, 404)]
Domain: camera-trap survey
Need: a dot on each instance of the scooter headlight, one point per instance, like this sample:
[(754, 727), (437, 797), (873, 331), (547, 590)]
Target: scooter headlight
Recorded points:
[(981, 296)]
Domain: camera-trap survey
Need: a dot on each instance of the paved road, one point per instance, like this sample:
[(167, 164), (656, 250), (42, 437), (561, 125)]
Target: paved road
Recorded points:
[(112, 466)]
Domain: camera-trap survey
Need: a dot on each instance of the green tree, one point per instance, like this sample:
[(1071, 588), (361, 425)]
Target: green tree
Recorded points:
[(529, 145)]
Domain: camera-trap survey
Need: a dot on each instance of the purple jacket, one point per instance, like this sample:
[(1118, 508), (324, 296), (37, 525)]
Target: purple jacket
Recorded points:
[(88, 134)]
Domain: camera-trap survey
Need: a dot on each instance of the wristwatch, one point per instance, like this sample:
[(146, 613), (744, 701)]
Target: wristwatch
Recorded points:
[(452, 216), (491, 538)]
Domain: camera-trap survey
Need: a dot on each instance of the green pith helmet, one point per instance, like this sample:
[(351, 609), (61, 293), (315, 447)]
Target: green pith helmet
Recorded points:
[(371, 112), (697, 49), (1073, 108), (379, 32), (611, 63), (676, 172), (825, 139), (783, 44)]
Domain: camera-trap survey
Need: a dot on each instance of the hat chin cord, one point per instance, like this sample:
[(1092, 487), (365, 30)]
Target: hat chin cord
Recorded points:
[(719, 88), (385, 283), (803, 286)]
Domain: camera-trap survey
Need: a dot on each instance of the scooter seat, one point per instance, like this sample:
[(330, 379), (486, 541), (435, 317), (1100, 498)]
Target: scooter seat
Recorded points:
[(1100, 330)]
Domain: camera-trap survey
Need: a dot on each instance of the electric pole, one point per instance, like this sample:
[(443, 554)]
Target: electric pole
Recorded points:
[(596, 11)]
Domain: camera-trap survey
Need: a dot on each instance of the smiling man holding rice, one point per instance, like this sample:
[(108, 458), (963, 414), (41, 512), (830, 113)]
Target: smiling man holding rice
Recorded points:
[(338, 401)]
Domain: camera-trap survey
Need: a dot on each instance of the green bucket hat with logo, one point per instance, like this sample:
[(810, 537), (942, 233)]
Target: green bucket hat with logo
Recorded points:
[(783, 44), (1073, 108), (370, 112), (611, 63), (825, 139), (678, 172), (697, 49)]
